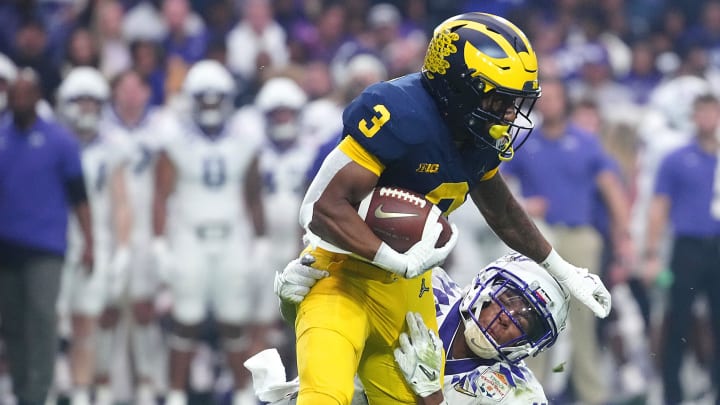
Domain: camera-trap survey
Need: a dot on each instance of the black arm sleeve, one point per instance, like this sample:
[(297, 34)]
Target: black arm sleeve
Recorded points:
[(75, 190)]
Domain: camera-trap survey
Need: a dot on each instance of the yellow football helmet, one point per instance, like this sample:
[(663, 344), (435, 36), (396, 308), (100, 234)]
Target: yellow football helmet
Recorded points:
[(483, 74)]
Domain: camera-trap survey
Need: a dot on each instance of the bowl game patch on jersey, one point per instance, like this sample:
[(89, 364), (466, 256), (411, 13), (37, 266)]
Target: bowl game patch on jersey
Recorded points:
[(493, 385)]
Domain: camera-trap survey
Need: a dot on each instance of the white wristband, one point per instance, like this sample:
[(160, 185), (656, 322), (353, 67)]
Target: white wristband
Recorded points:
[(557, 266), (389, 259)]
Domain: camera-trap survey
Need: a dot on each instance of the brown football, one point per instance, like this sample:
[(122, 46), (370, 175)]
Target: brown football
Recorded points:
[(401, 217)]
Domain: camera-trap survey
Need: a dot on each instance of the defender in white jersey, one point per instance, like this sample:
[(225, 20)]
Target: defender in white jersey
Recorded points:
[(85, 292), (131, 118), (511, 310), (284, 160), (209, 164), (285, 157)]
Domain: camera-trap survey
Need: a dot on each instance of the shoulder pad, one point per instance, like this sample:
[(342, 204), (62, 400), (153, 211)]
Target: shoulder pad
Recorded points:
[(385, 121)]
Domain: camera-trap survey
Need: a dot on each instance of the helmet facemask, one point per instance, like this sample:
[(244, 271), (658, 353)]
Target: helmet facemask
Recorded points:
[(503, 312), (501, 120), (211, 109), (283, 128), (83, 115)]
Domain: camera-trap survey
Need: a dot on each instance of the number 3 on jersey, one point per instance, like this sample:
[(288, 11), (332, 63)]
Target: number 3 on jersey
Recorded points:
[(378, 120), (214, 172)]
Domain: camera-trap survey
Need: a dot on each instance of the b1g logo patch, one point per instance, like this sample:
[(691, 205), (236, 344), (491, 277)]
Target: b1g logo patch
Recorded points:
[(493, 385)]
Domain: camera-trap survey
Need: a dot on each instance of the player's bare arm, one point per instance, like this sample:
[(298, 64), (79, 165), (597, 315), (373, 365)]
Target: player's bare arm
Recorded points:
[(508, 219), (612, 192), (335, 217), (122, 216), (164, 184), (82, 212), (253, 199), (657, 222)]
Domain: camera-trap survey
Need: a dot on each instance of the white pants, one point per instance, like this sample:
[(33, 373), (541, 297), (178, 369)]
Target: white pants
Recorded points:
[(143, 281), (213, 270), (81, 292)]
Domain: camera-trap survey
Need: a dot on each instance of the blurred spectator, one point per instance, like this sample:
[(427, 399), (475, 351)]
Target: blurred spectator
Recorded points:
[(12, 14), (401, 50), (327, 33), (148, 60), (289, 13), (416, 17), (60, 19), (7, 75), (670, 29), (82, 50), (383, 22), (596, 81), (317, 80), (31, 50), (114, 52), (186, 35), (707, 31), (674, 96), (559, 191), (686, 201), (220, 18), (33, 234), (256, 43), (643, 76), (144, 23)]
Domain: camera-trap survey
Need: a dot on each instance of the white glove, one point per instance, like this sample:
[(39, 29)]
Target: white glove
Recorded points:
[(586, 287), (162, 258), (118, 269), (420, 356), (294, 282), (420, 258)]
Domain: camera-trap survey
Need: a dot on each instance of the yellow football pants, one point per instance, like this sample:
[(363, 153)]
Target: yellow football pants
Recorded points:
[(349, 324)]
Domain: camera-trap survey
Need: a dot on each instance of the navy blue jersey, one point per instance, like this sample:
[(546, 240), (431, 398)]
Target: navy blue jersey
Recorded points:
[(398, 123)]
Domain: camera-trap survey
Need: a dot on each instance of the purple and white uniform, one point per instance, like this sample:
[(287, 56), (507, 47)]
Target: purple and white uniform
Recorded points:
[(476, 381)]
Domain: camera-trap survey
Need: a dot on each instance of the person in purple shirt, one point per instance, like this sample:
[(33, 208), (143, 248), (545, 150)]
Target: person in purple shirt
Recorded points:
[(40, 181), (187, 37), (686, 196), (559, 171)]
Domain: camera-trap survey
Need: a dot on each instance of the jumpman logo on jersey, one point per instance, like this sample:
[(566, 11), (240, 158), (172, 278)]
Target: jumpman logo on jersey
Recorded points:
[(423, 288)]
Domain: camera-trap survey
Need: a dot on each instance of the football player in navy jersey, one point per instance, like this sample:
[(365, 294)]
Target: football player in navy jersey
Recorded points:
[(441, 132)]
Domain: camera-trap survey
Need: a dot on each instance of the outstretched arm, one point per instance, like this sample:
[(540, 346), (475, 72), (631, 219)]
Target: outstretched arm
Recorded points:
[(509, 220)]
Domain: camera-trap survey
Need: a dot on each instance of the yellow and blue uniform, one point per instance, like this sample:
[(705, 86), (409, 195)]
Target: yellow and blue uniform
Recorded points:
[(351, 320)]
